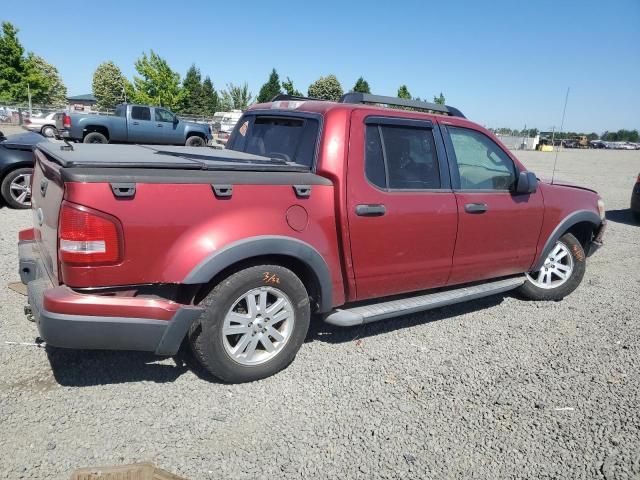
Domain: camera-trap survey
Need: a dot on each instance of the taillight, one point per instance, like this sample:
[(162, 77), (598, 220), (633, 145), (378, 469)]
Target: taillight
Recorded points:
[(27, 121), (88, 237), (66, 121)]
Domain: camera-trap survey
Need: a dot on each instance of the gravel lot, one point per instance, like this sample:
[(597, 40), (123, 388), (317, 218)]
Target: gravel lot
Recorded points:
[(496, 388)]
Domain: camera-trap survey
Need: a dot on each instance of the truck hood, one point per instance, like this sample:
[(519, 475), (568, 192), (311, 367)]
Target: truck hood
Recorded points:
[(564, 183)]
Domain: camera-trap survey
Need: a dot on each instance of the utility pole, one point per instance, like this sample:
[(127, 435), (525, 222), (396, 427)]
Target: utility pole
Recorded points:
[(29, 96)]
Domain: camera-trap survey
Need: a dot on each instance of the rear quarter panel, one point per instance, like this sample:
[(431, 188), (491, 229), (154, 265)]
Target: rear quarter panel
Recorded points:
[(169, 228)]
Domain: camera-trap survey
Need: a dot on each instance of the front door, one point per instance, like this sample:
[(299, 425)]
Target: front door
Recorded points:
[(167, 131), (401, 209), (497, 229)]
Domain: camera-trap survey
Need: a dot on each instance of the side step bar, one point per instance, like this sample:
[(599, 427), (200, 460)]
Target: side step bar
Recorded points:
[(395, 308)]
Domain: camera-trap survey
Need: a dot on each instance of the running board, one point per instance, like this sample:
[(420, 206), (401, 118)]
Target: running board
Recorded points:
[(395, 308)]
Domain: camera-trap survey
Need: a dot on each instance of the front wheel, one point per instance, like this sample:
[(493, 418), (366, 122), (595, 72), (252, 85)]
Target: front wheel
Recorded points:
[(560, 274), (254, 323)]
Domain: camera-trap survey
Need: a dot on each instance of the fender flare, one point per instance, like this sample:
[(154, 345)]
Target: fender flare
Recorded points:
[(566, 223), (262, 245)]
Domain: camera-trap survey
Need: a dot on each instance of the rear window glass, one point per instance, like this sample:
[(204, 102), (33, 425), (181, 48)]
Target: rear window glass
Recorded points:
[(289, 138)]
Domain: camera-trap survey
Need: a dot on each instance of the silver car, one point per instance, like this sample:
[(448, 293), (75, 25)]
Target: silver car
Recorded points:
[(45, 125)]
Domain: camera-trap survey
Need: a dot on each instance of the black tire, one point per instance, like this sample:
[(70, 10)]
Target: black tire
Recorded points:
[(13, 198), (532, 292), (48, 131), (95, 137), (207, 340), (636, 215), (195, 141)]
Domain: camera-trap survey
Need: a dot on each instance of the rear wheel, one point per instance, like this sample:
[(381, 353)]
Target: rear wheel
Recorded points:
[(16, 188), (560, 274), (95, 137), (195, 141), (254, 324), (48, 131)]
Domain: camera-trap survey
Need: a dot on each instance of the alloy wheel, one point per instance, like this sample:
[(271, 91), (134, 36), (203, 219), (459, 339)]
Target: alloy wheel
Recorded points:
[(20, 189), (556, 270)]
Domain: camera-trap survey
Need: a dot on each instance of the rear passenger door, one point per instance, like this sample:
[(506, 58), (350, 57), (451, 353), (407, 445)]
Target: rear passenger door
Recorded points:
[(140, 127), (401, 209), (497, 229)]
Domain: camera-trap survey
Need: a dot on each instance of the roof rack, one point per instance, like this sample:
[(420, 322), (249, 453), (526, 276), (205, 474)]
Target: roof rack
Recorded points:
[(356, 97), (284, 97)]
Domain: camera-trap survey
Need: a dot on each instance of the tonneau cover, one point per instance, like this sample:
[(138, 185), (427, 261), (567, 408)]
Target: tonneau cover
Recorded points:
[(162, 156)]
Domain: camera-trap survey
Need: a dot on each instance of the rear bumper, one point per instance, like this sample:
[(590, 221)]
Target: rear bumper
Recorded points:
[(69, 319)]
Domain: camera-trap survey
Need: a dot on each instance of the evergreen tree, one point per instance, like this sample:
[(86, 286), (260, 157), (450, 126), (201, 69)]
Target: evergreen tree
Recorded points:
[(193, 99), (290, 89), (270, 89), (361, 86), (209, 96), (403, 92), (439, 100)]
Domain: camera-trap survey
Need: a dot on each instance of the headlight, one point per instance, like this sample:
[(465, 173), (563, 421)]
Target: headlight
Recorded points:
[(601, 210)]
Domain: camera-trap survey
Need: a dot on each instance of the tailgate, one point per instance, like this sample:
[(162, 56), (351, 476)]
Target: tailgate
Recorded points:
[(46, 197)]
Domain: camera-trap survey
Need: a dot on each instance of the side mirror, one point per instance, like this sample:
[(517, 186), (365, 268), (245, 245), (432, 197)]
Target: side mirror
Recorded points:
[(527, 183), (175, 120)]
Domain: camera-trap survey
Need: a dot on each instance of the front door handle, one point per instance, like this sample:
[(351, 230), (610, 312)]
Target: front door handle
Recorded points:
[(136, 123), (475, 207), (158, 125), (370, 210)]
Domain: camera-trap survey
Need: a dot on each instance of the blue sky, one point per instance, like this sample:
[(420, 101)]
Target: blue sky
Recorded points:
[(502, 63)]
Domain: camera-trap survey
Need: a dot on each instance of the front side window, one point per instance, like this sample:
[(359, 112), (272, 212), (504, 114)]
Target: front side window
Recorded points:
[(481, 163), (163, 115), (402, 158), (292, 139), (140, 113)]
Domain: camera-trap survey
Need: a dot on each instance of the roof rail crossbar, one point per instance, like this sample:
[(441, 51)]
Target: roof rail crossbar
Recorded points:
[(284, 97), (356, 97)]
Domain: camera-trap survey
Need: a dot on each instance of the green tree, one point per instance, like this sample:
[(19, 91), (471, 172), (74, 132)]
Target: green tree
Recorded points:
[(290, 89), (403, 92), (157, 84), (193, 95), (361, 86), (236, 97), (270, 89), (108, 85), (11, 63), (44, 82), (439, 99), (593, 136), (326, 88), (209, 97)]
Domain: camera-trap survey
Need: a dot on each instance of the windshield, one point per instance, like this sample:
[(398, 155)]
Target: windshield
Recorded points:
[(287, 137)]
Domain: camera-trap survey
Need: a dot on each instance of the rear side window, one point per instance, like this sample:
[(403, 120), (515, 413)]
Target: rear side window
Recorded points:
[(402, 158), (140, 113), (121, 111), (288, 138)]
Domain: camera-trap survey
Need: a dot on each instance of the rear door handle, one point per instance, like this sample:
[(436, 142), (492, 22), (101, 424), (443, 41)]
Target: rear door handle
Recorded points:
[(370, 210), (475, 207), (158, 125), (136, 123)]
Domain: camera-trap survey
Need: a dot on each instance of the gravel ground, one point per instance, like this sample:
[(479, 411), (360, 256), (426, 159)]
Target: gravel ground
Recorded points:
[(496, 388)]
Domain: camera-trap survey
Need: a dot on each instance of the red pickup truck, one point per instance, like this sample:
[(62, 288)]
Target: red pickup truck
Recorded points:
[(351, 211)]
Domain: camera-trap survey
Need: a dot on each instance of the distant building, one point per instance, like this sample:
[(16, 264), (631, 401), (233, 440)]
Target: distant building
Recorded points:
[(81, 103)]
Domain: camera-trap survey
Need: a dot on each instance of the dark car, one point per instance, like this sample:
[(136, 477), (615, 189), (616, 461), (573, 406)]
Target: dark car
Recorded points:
[(16, 167), (635, 200)]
